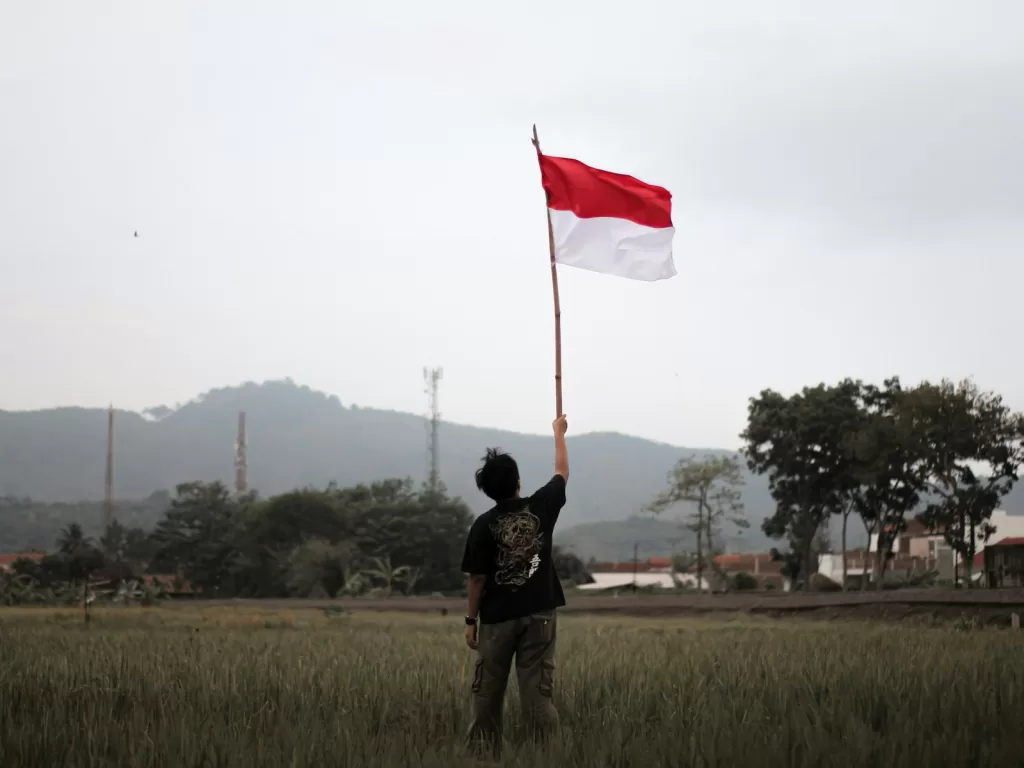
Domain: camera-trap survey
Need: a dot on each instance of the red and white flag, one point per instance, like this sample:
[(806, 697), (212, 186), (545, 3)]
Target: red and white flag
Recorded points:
[(608, 222)]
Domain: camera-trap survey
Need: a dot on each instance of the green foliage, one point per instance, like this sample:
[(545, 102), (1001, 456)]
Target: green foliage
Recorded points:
[(570, 569), (960, 426), (30, 525), (711, 487), (743, 581), (126, 550), (801, 443), (883, 452), (201, 537), (383, 536), (886, 465), (682, 562)]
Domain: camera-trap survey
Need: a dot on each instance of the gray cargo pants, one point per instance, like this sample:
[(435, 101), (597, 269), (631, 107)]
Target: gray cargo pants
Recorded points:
[(531, 640)]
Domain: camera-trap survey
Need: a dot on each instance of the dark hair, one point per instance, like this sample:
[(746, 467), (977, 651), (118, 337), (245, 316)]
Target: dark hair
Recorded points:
[(499, 476)]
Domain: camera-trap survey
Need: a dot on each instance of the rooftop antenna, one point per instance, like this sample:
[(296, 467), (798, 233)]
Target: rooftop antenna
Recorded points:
[(431, 376), (108, 490), (241, 459)]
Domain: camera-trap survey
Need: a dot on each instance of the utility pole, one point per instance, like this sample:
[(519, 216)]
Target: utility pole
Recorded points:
[(432, 376), (636, 547), (108, 491), (241, 459)]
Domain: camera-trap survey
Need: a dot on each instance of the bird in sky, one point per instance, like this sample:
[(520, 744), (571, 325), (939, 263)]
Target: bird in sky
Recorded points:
[(136, 233)]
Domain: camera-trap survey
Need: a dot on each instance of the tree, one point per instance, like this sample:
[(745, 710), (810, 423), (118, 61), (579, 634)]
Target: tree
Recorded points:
[(569, 567), (71, 539), (317, 565), (383, 571), (416, 528), (307, 541), (960, 426), (800, 442), (711, 485), (845, 509), (78, 558), (126, 551), (886, 467), (199, 537)]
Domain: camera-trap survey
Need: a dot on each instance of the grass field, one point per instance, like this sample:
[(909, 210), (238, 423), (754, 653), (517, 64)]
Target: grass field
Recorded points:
[(247, 687)]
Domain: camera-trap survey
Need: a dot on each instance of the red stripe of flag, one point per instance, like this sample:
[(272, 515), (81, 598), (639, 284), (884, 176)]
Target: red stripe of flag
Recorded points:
[(591, 193)]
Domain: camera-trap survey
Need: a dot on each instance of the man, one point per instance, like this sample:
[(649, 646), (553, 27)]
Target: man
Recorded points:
[(513, 594)]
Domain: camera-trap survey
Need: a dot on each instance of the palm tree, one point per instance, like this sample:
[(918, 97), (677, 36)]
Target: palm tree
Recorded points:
[(72, 538), (383, 570), (412, 575), (353, 582)]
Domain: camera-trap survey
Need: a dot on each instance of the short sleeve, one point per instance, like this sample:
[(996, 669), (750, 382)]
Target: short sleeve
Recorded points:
[(549, 500), (476, 561)]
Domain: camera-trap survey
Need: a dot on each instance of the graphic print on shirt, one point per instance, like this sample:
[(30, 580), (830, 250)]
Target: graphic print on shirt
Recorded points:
[(518, 538)]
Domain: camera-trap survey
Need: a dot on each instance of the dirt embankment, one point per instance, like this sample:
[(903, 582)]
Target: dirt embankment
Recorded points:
[(984, 606)]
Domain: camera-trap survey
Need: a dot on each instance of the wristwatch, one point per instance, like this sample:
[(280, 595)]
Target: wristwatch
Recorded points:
[(470, 621)]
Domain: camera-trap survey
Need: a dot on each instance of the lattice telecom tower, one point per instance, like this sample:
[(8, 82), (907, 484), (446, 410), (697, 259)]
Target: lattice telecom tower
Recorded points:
[(108, 489), (241, 459), (431, 376)]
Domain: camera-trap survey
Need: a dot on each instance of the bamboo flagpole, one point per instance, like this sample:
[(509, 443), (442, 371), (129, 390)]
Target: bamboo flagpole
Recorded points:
[(554, 290)]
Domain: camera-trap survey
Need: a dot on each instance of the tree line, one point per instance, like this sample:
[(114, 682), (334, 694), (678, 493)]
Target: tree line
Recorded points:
[(945, 454), (378, 539)]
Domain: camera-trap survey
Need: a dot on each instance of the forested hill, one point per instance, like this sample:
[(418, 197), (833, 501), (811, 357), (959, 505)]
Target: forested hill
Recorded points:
[(300, 437)]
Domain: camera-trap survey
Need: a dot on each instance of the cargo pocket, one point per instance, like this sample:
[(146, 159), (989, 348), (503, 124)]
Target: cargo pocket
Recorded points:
[(478, 676), (547, 677)]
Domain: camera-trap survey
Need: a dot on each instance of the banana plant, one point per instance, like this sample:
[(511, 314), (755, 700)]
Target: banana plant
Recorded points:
[(383, 571)]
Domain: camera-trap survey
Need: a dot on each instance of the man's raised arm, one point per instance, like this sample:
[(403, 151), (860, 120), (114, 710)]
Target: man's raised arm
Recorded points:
[(560, 425)]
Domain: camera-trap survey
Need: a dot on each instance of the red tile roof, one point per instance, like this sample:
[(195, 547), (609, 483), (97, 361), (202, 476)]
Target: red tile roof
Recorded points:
[(748, 563), (622, 567), (1009, 541)]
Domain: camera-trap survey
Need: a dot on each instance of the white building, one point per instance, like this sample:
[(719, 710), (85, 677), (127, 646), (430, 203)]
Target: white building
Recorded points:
[(626, 580), (660, 580)]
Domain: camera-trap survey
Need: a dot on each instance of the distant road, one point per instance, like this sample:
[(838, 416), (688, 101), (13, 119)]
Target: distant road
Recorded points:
[(991, 605)]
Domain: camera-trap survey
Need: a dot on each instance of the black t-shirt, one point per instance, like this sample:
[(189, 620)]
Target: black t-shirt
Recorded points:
[(511, 545)]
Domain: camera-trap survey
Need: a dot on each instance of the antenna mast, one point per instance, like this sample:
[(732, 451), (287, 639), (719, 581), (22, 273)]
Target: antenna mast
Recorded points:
[(431, 376), (108, 490), (241, 460)]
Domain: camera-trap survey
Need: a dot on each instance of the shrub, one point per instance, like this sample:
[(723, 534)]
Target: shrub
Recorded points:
[(743, 581)]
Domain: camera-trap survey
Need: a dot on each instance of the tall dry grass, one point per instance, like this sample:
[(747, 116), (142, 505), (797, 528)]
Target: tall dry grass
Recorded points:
[(226, 687)]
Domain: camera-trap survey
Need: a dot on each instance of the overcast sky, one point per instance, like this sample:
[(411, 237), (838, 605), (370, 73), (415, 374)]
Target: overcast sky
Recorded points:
[(343, 193)]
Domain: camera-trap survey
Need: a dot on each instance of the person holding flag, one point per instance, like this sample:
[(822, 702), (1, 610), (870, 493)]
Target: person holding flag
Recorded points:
[(603, 222)]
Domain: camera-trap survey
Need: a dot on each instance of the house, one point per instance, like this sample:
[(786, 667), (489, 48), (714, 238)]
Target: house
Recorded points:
[(941, 557), (654, 572), (622, 580), (654, 565), (858, 565), (914, 541), (1003, 563)]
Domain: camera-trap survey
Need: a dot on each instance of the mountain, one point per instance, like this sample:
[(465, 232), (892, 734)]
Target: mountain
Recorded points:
[(299, 437)]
